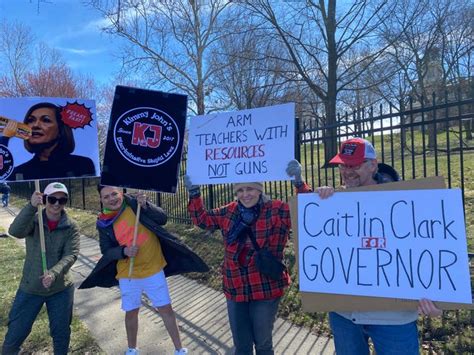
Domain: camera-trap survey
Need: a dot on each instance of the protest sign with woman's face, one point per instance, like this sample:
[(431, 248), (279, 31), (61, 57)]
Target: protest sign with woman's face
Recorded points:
[(59, 143)]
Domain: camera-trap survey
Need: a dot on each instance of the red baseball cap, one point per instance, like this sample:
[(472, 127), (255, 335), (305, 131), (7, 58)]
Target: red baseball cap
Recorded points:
[(354, 151)]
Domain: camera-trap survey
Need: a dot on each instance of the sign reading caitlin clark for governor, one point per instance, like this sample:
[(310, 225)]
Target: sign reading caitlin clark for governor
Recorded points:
[(144, 139), (407, 244)]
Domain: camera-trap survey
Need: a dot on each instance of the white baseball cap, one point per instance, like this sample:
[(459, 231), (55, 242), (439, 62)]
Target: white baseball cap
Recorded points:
[(55, 187)]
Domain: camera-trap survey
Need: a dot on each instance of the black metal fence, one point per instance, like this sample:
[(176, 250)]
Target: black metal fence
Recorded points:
[(419, 139)]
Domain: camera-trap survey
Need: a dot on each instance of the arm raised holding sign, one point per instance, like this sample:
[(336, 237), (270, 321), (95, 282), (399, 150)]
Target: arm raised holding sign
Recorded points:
[(255, 231)]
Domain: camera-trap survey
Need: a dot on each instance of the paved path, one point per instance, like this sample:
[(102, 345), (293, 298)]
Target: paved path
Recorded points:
[(201, 313)]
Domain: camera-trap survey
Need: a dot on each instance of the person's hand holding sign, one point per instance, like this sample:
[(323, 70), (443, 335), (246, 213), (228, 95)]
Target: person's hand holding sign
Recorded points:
[(294, 170), (131, 251), (10, 129), (47, 279), (428, 308), (193, 190), (36, 199), (141, 199), (325, 191)]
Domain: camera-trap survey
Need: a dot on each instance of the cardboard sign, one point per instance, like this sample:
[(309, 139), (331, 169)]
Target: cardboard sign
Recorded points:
[(366, 254), (385, 244), (144, 139), (48, 138), (242, 146)]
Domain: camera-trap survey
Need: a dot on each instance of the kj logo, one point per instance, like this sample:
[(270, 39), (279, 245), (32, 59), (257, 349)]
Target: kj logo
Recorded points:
[(146, 136), (6, 162)]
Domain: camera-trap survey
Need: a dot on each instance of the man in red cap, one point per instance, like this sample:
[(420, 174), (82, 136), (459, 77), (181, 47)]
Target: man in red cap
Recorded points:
[(357, 162), (392, 332)]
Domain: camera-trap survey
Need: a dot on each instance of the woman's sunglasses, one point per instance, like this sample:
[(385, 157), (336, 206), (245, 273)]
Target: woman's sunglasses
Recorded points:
[(52, 200)]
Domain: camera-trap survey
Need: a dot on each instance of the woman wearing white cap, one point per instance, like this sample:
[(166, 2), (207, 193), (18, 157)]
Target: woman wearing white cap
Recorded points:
[(250, 223), (54, 287)]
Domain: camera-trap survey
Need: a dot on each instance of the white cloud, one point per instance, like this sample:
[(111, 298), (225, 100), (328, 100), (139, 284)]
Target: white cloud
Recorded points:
[(81, 51)]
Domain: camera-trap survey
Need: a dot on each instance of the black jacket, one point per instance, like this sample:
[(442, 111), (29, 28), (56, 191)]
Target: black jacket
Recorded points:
[(179, 257), (58, 166)]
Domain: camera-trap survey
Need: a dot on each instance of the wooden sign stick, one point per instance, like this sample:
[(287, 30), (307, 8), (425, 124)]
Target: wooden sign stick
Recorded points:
[(41, 231), (135, 232)]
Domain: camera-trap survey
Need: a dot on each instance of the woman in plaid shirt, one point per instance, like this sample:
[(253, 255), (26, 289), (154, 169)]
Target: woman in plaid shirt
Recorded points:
[(252, 297)]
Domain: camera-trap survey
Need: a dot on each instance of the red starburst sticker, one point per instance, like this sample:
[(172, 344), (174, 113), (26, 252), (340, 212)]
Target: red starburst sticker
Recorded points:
[(76, 115)]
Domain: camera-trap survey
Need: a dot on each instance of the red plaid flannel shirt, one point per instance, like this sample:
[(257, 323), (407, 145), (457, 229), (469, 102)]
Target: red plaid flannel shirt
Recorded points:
[(271, 230)]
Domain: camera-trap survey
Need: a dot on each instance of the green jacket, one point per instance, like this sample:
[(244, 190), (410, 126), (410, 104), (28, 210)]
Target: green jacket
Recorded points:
[(62, 248)]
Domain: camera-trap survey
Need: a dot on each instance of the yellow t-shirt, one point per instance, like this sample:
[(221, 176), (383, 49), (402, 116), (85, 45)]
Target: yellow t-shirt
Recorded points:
[(149, 259)]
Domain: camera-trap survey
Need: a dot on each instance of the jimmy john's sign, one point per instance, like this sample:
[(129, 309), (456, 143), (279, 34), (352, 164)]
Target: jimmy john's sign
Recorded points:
[(144, 140)]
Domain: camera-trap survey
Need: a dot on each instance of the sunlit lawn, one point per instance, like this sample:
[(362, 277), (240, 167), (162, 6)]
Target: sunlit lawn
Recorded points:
[(453, 333)]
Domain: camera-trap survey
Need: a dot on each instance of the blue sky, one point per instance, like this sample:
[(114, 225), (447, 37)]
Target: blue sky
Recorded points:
[(72, 29)]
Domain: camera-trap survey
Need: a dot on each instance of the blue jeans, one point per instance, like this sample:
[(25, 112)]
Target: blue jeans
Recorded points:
[(5, 198), (252, 323), (351, 338), (24, 311)]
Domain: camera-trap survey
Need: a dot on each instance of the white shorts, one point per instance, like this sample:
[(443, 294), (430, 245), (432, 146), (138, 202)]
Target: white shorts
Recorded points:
[(154, 286)]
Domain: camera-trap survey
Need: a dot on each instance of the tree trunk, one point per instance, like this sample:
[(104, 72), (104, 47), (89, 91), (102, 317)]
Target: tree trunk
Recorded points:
[(330, 132), (432, 129), (468, 127)]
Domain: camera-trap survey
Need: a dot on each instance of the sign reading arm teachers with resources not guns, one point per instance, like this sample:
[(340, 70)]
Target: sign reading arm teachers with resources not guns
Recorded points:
[(242, 146), (399, 244)]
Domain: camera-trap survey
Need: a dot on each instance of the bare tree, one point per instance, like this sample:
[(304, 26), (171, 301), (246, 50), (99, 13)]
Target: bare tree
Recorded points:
[(427, 53), (255, 74), (168, 42), (103, 107), (55, 81), (318, 36), (16, 48), (30, 68)]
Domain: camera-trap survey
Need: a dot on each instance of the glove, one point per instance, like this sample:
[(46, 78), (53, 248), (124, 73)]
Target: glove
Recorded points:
[(193, 190), (294, 170)]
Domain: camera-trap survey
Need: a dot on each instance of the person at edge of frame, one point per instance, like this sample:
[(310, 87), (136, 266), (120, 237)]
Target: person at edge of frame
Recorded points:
[(5, 190), (391, 332)]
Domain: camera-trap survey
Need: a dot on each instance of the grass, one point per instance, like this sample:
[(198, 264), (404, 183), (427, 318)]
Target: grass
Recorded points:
[(452, 334), (413, 161), (39, 340)]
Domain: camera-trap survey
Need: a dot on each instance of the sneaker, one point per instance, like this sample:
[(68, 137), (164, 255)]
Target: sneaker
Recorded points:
[(181, 351), (131, 351)]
